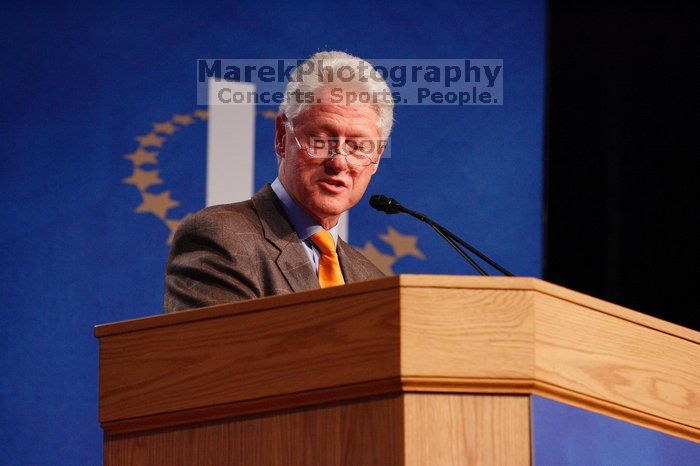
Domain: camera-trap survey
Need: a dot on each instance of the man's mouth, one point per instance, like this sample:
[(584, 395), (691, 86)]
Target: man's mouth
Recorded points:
[(333, 184)]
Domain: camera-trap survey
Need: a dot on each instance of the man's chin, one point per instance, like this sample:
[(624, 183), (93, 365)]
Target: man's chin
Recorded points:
[(330, 208)]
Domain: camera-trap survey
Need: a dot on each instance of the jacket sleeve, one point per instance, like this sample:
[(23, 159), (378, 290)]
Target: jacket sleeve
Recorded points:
[(207, 265)]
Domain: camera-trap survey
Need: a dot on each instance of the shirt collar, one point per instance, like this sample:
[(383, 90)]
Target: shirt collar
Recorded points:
[(303, 224)]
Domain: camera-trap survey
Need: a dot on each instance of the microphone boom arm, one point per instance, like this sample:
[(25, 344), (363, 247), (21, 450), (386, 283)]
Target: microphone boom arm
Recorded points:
[(392, 206), (466, 256), (459, 240)]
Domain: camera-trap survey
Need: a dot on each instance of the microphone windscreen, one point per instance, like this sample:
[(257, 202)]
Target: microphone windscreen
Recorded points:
[(379, 202)]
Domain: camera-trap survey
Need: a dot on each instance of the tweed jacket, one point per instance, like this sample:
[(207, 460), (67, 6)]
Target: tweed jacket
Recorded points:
[(242, 251)]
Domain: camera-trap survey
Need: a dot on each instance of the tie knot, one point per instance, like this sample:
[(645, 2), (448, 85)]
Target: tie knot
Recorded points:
[(324, 241)]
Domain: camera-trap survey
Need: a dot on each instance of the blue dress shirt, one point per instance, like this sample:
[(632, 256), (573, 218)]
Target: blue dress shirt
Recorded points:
[(303, 224)]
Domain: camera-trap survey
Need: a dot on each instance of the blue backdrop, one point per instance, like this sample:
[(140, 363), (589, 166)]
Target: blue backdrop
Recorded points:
[(82, 241), (563, 435)]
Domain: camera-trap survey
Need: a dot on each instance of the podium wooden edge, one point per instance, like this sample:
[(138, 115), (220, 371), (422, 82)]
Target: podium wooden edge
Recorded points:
[(397, 386), (406, 383), (407, 280), (244, 307)]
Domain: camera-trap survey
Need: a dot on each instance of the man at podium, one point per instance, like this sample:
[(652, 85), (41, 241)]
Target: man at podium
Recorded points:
[(330, 133)]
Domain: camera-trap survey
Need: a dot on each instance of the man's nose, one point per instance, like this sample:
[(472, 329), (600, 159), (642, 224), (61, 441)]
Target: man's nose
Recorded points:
[(338, 163)]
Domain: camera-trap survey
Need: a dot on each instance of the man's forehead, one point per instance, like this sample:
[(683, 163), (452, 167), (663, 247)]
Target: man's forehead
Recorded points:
[(348, 126), (337, 114)]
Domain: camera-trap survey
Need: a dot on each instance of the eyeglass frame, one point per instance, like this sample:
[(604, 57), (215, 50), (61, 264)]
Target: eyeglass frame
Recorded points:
[(334, 152)]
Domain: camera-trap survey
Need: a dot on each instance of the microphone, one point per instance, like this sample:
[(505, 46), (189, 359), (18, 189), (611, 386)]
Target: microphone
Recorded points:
[(390, 205), (385, 204)]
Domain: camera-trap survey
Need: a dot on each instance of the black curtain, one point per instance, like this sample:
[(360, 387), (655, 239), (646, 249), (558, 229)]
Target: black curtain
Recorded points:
[(622, 177)]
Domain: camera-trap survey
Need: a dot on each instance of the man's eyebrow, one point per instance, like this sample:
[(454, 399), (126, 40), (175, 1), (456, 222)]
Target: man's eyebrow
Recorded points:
[(333, 128), (325, 125)]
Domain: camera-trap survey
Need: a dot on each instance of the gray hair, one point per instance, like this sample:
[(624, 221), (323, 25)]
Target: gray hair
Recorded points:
[(323, 69)]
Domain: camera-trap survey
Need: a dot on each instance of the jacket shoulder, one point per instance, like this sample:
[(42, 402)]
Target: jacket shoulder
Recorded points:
[(213, 258), (224, 220)]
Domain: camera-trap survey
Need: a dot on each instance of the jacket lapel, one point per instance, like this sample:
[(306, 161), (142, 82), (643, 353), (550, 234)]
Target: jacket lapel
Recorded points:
[(292, 259), (352, 267)]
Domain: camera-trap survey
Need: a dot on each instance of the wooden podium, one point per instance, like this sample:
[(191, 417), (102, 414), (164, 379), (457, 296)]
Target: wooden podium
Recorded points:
[(406, 370)]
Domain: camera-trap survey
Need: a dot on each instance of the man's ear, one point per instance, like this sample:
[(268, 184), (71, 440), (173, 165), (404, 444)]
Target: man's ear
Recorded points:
[(280, 135)]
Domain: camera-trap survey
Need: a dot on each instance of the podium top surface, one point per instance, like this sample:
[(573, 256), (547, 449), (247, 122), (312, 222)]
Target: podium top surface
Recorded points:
[(397, 281), (407, 333)]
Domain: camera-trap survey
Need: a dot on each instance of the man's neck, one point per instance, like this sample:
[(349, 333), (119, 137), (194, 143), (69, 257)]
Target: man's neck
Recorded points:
[(302, 221)]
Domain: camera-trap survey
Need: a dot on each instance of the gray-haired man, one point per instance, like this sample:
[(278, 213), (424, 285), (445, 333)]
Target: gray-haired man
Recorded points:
[(285, 238)]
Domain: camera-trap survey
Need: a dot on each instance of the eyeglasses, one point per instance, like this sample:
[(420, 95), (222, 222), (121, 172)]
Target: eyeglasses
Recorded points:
[(356, 152)]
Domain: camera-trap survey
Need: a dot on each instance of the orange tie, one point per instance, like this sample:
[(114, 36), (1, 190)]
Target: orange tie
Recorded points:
[(329, 273)]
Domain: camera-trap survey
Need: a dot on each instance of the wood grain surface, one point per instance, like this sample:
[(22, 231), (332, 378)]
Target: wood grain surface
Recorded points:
[(615, 361), (201, 445), (456, 429), (542, 287), (241, 357), (364, 433), (460, 339), (494, 335), (408, 429), (467, 333)]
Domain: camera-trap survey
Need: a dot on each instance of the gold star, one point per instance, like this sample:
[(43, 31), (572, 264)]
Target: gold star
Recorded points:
[(143, 179), (151, 139), (142, 156), (201, 114), (403, 245), (172, 225), (381, 260), (184, 120), (269, 114), (157, 204), (165, 128)]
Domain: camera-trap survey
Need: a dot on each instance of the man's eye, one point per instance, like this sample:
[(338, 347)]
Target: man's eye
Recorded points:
[(318, 142), (362, 147)]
